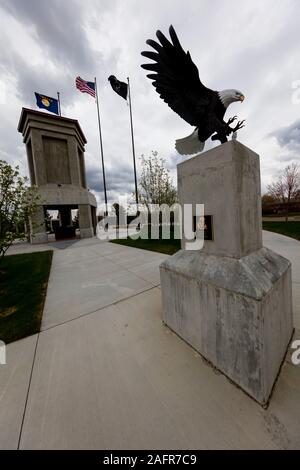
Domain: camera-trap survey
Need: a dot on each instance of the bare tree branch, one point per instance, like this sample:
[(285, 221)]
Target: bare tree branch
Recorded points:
[(287, 186)]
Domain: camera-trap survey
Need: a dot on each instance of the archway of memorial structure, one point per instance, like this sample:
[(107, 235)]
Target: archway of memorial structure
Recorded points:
[(62, 221)]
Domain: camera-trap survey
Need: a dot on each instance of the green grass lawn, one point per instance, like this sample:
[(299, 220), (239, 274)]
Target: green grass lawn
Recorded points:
[(23, 286), (168, 247), (291, 214), (290, 228)]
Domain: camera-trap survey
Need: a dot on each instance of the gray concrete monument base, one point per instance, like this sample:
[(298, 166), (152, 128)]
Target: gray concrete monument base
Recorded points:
[(231, 300), (86, 232), (236, 312)]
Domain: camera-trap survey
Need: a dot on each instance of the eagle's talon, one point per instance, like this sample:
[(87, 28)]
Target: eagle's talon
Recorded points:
[(239, 126), (231, 120)]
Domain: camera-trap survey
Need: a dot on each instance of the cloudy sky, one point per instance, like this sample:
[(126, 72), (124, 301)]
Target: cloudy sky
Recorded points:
[(250, 45)]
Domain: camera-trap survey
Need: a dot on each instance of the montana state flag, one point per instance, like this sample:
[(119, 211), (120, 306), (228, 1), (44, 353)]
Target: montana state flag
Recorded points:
[(43, 101)]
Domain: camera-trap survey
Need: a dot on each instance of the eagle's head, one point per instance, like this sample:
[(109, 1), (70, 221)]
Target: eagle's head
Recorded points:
[(229, 96)]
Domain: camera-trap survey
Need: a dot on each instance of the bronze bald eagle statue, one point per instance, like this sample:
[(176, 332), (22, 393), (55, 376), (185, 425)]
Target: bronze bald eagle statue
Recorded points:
[(176, 79)]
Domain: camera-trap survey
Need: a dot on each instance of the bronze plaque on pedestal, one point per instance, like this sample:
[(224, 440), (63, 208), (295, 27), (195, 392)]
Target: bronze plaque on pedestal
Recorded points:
[(204, 223)]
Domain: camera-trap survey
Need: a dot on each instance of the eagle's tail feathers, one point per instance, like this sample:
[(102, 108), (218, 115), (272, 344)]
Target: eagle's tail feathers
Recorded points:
[(190, 144)]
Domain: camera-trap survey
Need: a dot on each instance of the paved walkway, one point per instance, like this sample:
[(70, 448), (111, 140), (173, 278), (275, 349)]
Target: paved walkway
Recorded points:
[(106, 373)]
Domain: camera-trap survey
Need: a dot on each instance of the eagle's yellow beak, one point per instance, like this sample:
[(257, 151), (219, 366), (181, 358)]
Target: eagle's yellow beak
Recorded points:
[(242, 98)]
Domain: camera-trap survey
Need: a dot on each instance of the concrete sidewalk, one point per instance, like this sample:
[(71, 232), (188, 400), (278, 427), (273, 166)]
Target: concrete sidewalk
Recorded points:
[(106, 373)]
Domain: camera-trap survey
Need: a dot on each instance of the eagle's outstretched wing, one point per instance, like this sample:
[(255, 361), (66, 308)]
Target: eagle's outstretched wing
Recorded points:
[(176, 78)]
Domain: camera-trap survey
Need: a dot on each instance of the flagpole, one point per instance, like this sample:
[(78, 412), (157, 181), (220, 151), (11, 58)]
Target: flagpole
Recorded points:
[(101, 147), (132, 142), (59, 106)]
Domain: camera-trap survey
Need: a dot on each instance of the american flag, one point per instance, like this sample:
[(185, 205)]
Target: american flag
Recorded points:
[(86, 87)]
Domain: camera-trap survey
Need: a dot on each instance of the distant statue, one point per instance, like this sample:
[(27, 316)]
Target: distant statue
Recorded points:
[(176, 79)]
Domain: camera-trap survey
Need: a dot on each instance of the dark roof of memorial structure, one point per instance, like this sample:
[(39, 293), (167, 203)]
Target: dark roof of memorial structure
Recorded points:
[(53, 117)]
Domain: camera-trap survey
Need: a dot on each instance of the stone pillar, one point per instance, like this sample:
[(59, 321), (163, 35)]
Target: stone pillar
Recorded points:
[(85, 221), (232, 300), (38, 232), (227, 181)]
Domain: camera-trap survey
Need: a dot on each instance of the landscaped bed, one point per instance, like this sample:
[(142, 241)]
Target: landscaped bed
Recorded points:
[(23, 287)]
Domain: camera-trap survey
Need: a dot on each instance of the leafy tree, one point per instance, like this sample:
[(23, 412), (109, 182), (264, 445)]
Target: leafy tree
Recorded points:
[(18, 202), (286, 188), (155, 184)]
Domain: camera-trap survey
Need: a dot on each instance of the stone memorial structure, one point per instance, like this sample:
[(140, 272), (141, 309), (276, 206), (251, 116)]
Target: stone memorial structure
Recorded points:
[(55, 154), (231, 300)]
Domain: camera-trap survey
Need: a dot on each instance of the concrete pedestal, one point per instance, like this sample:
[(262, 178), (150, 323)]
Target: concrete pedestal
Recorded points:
[(232, 300)]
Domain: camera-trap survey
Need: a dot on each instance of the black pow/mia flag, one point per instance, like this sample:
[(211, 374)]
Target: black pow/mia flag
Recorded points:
[(119, 87)]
